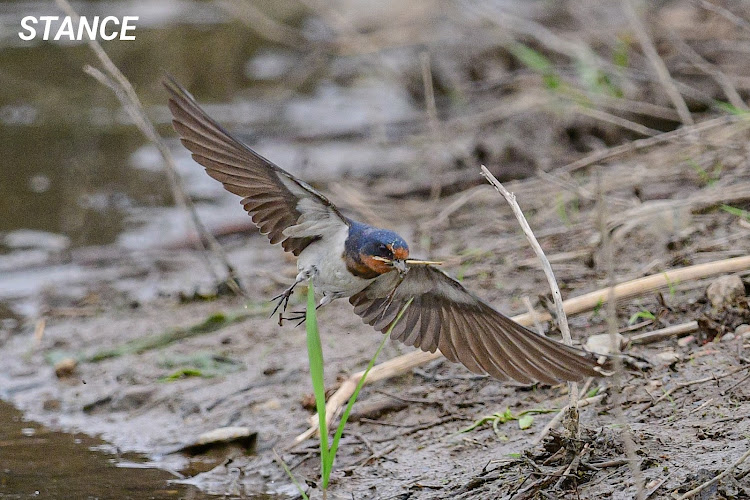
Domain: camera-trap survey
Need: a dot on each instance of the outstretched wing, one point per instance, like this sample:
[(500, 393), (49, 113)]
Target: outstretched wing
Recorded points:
[(445, 316), (283, 207)]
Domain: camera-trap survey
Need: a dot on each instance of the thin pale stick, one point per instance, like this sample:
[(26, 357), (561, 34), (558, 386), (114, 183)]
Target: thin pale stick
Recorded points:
[(534, 316), (708, 483), (627, 433), (637, 145), (125, 92), (661, 69), (562, 319), (664, 333), (682, 385), (701, 63)]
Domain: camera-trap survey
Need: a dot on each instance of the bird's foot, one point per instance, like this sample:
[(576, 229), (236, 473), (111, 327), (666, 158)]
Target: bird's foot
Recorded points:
[(282, 300), (299, 316)]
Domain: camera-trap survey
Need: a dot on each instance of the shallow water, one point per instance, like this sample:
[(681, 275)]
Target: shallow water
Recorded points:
[(36, 462), (68, 165)]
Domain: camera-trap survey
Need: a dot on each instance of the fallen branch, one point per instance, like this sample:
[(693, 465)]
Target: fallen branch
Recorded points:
[(639, 286), (664, 333), (682, 385), (402, 364)]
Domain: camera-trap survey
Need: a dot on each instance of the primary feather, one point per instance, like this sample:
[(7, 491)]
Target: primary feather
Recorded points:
[(276, 200), (444, 315)]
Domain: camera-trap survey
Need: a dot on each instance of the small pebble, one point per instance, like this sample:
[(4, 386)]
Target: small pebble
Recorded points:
[(743, 330), (727, 337), (602, 343), (668, 357), (685, 340), (725, 290), (65, 367), (271, 404), (654, 384)]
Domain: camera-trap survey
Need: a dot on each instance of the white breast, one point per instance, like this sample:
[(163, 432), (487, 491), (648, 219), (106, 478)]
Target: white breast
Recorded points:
[(331, 277)]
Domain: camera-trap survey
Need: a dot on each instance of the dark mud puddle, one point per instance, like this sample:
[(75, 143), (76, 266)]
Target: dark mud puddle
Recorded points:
[(36, 462)]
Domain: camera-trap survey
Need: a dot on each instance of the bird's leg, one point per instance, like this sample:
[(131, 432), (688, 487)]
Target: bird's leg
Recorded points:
[(302, 315), (283, 297)]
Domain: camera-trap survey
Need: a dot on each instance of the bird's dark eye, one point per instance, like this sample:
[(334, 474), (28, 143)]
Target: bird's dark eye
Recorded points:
[(383, 250)]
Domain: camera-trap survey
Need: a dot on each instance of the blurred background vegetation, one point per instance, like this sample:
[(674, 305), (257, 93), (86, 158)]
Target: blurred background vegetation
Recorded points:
[(521, 86)]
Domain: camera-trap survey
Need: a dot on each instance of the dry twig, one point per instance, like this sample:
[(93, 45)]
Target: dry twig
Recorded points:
[(558, 417), (664, 333), (121, 86), (682, 385), (264, 25), (716, 479), (530, 308), (627, 433), (702, 64), (642, 285), (656, 61), (562, 319), (725, 13), (637, 145)]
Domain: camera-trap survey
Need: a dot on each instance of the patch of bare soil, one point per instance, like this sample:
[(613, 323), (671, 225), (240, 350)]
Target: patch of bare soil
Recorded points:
[(404, 440)]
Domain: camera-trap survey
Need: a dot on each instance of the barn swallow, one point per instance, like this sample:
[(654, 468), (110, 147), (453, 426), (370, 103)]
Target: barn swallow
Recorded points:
[(371, 266)]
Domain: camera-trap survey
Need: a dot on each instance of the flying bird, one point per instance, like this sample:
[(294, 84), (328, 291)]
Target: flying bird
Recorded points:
[(371, 266)]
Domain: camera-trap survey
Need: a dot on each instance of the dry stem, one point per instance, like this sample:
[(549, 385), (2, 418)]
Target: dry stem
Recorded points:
[(121, 86), (664, 333), (708, 483), (608, 154), (556, 420), (656, 61), (627, 434), (562, 319), (682, 385), (641, 285)]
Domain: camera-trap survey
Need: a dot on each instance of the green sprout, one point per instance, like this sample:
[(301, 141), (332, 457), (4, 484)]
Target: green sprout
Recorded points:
[(743, 214), (315, 354), (525, 420), (536, 61), (642, 314)]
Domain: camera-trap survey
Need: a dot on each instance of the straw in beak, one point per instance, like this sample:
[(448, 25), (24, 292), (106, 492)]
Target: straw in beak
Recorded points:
[(402, 265)]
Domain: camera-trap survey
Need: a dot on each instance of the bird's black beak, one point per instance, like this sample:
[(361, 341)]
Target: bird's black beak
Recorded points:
[(400, 265)]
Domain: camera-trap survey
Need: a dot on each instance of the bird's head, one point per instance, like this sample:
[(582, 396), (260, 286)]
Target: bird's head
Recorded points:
[(382, 251)]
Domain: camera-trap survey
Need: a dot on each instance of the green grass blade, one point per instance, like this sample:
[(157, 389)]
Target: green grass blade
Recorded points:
[(291, 476), (315, 353), (360, 384), (736, 211)]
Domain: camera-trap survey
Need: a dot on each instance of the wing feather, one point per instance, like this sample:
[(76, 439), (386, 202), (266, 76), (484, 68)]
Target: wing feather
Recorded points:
[(444, 315), (277, 201)]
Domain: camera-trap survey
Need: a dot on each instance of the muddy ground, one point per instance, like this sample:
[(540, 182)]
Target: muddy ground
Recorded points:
[(257, 376), (161, 358)]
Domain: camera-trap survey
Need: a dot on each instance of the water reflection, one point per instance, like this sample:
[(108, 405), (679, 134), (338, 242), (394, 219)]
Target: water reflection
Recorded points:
[(38, 463), (67, 144)]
